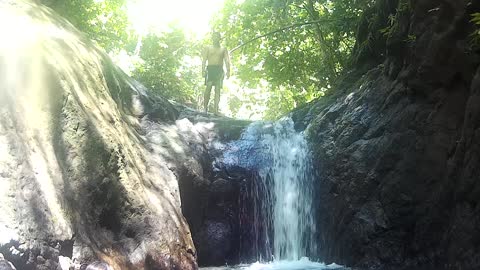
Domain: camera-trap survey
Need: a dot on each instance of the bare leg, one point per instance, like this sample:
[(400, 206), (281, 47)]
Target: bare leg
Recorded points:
[(217, 98), (206, 96)]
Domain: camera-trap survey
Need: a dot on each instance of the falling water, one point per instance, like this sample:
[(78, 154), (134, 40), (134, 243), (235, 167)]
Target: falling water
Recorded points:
[(291, 199), (277, 218), (279, 200)]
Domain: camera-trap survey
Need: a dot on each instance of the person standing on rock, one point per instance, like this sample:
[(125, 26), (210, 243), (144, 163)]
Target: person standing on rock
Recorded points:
[(216, 56)]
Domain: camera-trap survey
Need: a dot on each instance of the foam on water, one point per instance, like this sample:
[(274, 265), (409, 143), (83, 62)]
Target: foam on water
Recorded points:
[(302, 264)]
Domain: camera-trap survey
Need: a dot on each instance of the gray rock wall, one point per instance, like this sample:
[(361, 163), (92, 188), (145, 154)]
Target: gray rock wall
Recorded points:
[(93, 168), (397, 152), (89, 163)]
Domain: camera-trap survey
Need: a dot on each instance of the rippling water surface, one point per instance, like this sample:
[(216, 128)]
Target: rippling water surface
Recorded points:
[(302, 264)]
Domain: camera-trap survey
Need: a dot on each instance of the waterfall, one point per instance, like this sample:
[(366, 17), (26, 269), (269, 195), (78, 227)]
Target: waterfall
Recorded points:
[(278, 203), (291, 199)]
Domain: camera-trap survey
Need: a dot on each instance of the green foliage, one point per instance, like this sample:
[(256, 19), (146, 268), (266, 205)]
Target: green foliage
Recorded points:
[(387, 31), (103, 21), (476, 34), (476, 18), (299, 63), (168, 67), (164, 67), (287, 69), (411, 38)]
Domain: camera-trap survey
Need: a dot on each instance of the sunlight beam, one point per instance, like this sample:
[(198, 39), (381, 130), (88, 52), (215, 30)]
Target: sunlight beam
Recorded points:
[(155, 16)]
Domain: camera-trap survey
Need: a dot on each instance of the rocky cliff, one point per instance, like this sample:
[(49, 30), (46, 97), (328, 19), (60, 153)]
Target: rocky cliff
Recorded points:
[(90, 165), (397, 148), (94, 168)]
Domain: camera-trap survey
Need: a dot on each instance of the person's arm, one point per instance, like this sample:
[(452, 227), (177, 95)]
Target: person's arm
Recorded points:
[(226, 59), (204, 60)]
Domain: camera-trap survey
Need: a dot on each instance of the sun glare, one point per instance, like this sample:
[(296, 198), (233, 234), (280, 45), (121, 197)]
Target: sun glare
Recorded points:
[(148, 16)]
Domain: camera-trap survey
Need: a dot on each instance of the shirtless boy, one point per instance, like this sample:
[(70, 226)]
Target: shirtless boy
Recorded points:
[(216, 56)]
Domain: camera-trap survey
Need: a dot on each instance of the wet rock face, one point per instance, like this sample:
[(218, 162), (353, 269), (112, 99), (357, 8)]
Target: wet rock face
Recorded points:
[(397, 152), (214, 239), (4, 264), (88, 160), (94, 168), (40, 256), (210, 200)]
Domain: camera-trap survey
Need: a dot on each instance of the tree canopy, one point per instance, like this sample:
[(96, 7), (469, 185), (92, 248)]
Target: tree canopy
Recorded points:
[(103, 21), (300, 46), (285, 52), (166, 66)]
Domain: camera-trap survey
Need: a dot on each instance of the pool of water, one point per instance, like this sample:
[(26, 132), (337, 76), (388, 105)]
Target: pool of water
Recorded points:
[(302, 264)]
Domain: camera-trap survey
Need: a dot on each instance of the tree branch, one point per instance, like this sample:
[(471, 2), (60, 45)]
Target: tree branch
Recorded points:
[(280, 30)]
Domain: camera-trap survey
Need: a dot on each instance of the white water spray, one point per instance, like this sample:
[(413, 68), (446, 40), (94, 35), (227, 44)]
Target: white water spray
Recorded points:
[(291, 199), (277, 206), (279, 200)]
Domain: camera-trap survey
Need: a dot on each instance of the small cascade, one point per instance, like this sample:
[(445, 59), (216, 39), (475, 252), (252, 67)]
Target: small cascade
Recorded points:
[(291, 199), (277, 213)]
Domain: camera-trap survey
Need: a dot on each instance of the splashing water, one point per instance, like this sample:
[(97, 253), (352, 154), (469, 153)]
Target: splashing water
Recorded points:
[(293, 219), (302, 264), (278, 203)]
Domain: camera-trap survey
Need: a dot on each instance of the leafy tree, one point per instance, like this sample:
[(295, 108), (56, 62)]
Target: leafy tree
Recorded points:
[(171, 66), (103, 21), (300, 47), (300, 62), (167, 63)]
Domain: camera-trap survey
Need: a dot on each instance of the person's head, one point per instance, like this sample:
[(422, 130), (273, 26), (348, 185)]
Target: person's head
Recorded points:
[(216, 37)]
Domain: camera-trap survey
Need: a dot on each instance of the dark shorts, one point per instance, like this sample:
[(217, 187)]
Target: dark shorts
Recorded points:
[(214, 76)]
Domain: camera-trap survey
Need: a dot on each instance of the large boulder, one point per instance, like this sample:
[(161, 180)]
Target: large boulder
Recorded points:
[(397, 151), (93, 167), (88, 161), (210, 200)]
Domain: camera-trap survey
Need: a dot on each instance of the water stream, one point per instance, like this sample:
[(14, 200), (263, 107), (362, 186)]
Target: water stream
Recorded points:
[(278, 213), (282, 194)]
